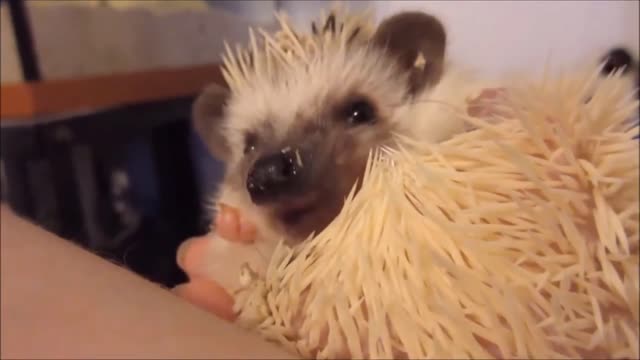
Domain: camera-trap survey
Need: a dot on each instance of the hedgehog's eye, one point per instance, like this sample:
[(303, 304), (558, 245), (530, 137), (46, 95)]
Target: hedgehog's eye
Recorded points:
[(250, 142), (360, 112)]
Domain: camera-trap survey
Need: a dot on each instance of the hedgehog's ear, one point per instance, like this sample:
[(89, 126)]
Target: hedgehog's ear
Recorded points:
[(408, 35), (207, 116)]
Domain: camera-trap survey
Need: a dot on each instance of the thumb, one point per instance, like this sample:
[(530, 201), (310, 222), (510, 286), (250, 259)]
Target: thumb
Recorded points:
[(191, 255), (209, 296)]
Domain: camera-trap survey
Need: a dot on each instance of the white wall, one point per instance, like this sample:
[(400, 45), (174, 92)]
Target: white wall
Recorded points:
[(132, 35), (260, 11), (495, 36), (507, 36), (500, 36), (302, 12)]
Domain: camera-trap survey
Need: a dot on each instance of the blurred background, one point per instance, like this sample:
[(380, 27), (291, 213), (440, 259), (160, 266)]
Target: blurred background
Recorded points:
[(97, 145)]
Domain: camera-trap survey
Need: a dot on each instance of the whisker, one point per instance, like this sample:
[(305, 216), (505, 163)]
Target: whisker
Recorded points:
[(208, 204)]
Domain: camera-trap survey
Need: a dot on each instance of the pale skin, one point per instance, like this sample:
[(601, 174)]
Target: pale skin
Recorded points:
[(201, 291), (230, 225), (60, 301)]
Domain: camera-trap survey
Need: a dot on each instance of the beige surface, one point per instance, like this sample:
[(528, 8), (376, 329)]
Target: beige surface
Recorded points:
[(75, 41), (59, 301)]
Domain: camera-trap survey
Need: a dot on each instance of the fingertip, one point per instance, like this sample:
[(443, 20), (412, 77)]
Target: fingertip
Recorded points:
[(208, 296), (227, 223), (233, 226), (247, 231), (191, 252), (181, 252)]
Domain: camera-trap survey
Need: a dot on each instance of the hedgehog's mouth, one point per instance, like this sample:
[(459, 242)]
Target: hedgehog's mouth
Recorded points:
[(294, 211), (307, 215)]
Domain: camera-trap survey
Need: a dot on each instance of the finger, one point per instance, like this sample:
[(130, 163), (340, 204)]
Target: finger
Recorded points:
[(247, 231), (491, 93), (209, 296), (483, 105), (232, 226), (191, 254), (227, 222), (477, 109)]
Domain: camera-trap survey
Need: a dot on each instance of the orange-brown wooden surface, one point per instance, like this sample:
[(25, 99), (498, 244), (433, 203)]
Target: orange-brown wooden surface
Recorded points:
[(26, 100)]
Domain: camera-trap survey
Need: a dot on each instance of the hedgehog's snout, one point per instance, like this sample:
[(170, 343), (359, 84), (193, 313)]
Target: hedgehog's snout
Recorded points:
[(276, 176)]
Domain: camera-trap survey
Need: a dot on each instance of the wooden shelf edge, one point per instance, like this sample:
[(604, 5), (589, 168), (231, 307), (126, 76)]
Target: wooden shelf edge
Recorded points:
[(27, 100)]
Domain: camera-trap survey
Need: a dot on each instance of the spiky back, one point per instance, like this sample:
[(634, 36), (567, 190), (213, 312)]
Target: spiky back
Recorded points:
[(269, 54)]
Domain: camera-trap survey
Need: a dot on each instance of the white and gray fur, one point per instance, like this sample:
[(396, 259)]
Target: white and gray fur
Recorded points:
[(304, 108)]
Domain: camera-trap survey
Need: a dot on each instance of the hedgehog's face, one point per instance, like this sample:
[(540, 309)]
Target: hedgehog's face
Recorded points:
[(298, 144)]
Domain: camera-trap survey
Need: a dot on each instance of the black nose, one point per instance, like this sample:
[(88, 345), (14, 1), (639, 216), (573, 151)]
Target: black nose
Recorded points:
[(273, 176)]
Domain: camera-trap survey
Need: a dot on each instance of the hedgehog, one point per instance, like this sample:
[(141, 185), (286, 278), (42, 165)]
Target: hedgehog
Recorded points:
[(303, 110), (517, 239), (514, 236)]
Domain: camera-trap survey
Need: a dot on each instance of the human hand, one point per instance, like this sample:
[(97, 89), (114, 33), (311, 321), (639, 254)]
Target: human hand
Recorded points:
[(482, 106), (201, 290)]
